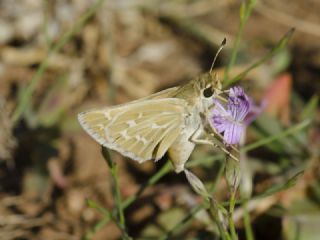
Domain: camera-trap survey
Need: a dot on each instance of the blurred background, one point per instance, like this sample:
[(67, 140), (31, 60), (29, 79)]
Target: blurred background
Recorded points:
[(58, 58)]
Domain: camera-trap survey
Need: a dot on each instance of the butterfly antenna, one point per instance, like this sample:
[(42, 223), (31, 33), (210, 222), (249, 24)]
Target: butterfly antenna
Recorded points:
[(216, 56)]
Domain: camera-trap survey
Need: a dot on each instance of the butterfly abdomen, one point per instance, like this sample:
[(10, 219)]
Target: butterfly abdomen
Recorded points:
[(180, 151)]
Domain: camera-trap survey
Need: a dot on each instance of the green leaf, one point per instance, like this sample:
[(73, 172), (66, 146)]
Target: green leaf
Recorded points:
[(310, 109)]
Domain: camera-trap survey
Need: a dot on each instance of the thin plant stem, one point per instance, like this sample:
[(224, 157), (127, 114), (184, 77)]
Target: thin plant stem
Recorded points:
[(247, 222), (278, 47), (245, 188), (200, 207), (27, 93), (155, 178), (245, 12), (215, 217), (114, 173), (165, 169), (292, 130), (116, 191), (232, 227), (213, 209)]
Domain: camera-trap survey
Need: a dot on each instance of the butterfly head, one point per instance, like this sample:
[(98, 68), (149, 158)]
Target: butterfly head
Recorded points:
[(209, 83), (208, 86)]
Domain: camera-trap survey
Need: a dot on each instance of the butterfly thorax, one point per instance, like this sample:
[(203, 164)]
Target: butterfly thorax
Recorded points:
[(193, 92)]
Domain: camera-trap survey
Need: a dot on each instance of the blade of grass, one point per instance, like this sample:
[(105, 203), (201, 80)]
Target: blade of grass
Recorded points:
[(270, 191), (155, 178), (292, 130), (247, 222), (278, 47), (27, 94), (100, 224), (245, 11), (96, 206), (310, 109), (116, 192), (232, 203)]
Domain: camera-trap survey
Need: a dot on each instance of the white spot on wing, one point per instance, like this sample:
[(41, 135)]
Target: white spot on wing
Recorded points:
[(100, 125), (107, 115), (131, 123), (124, 134), (156, 126), (141, 139)]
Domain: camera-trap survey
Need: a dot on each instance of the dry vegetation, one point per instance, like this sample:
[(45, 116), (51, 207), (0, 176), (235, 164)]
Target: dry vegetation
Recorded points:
[(126, 50)]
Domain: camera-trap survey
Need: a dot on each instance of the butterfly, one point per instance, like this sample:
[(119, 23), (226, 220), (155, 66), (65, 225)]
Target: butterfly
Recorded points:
[(172, 120)]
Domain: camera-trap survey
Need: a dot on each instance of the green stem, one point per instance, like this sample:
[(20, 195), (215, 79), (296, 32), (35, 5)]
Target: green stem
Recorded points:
[(278, 47), (114, 173), (247, 222), (116, 191), (27, 94), (245, 12), (155, 178), (245, 188), (214, 215), (265, 141), (232, 227), (198, 208)]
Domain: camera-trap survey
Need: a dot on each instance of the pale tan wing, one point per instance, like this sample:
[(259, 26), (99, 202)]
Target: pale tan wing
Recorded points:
[(142, 131), (166, 93)]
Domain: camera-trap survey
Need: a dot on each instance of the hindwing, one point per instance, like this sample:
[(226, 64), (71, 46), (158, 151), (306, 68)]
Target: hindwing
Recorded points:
[(141, 130)]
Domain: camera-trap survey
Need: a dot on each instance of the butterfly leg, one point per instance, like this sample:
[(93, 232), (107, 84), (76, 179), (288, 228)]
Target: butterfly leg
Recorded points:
[(201, 137)]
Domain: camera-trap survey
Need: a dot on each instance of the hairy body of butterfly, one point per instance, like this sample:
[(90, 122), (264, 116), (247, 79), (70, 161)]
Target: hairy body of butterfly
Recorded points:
[(168, 121)]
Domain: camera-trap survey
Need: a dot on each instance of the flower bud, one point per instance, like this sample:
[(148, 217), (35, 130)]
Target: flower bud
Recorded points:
[(197, 184), (233, 173)]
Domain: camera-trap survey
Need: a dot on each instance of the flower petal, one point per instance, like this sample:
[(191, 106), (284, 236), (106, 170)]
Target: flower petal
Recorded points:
[(238, 104), (228, 119), (219, 109), (233, 132), (219, 123)]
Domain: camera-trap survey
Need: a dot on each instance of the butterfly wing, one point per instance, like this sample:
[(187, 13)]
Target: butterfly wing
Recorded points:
[(166, 93), (141, 130)]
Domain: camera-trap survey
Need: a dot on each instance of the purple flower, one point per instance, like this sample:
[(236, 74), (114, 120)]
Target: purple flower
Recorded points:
[(232, 119)]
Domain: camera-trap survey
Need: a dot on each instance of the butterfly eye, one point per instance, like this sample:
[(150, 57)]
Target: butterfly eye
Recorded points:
[(208, 92)]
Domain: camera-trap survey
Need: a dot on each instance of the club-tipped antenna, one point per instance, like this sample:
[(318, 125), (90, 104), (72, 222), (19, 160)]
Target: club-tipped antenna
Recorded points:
[(223, 43)]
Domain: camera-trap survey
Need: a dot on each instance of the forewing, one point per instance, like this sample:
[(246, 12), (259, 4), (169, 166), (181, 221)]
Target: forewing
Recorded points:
[(142, 130), (166, 93)]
